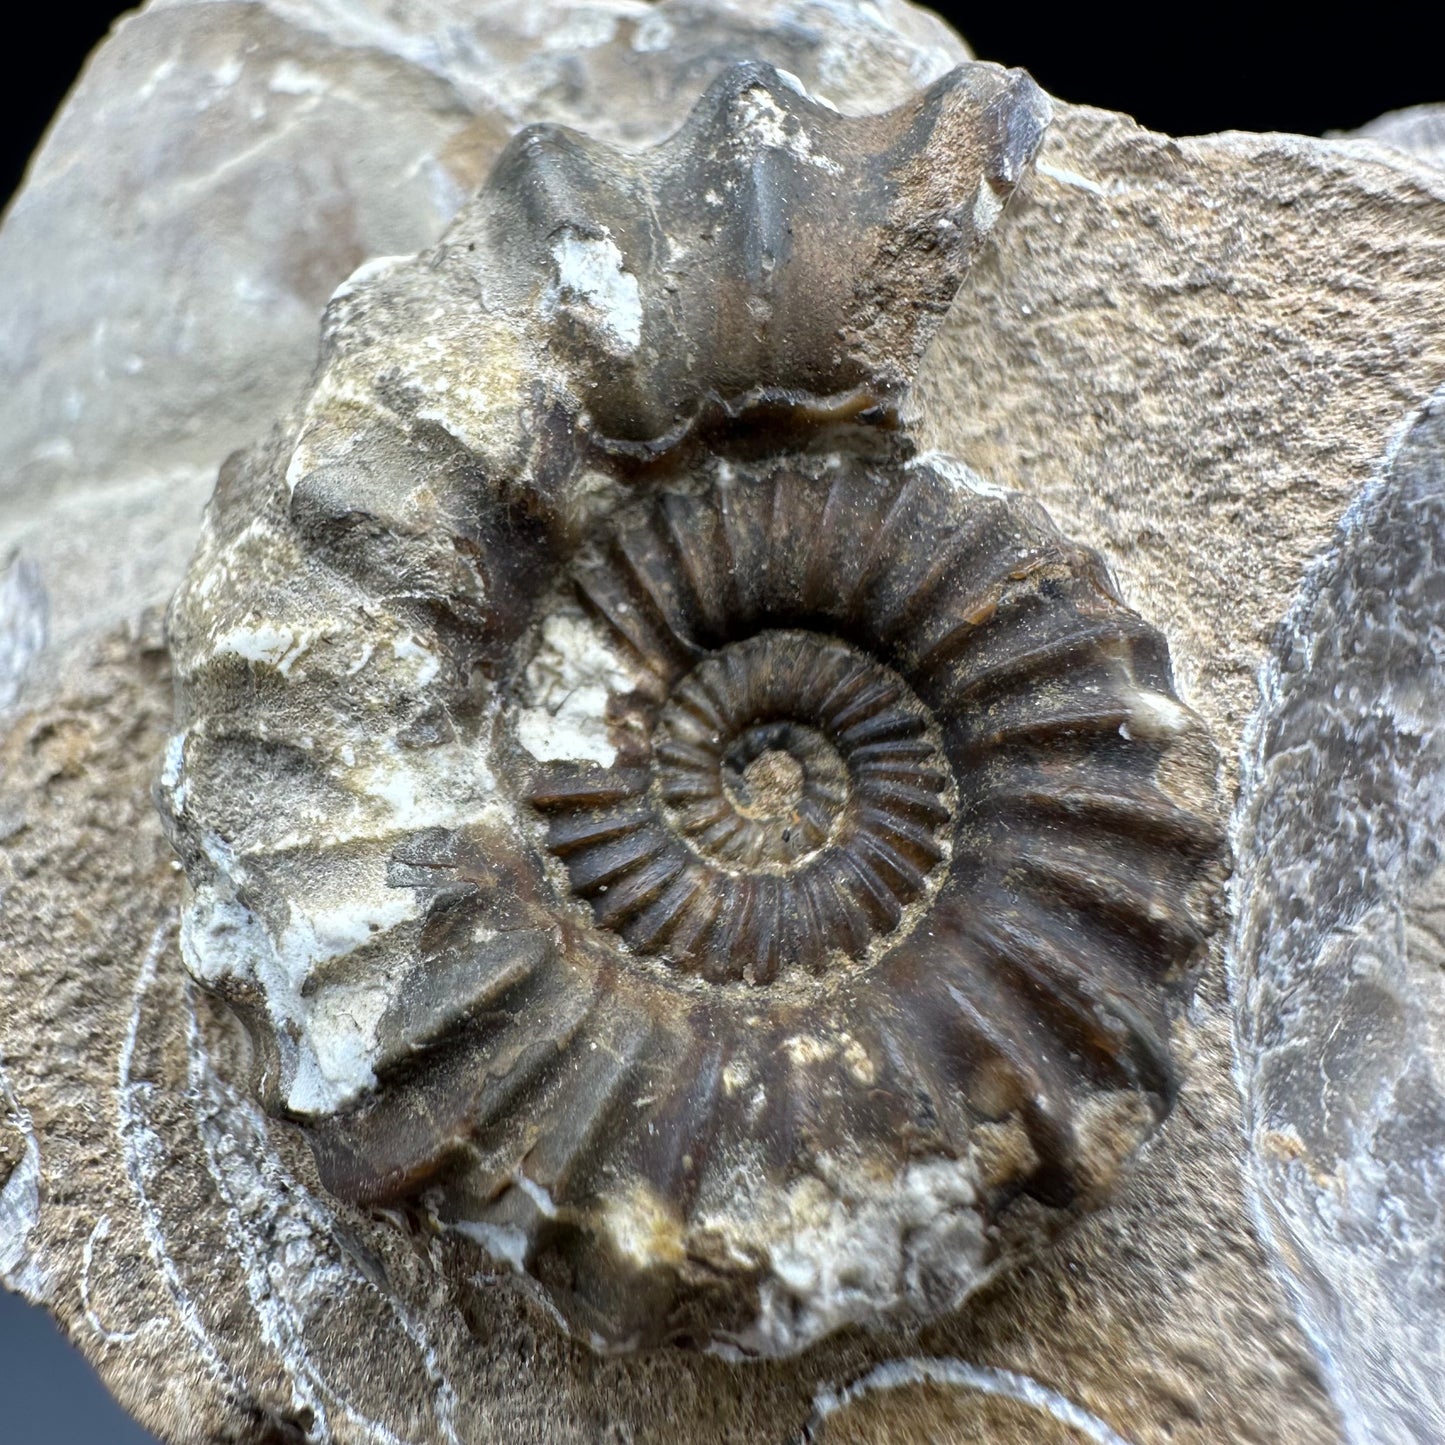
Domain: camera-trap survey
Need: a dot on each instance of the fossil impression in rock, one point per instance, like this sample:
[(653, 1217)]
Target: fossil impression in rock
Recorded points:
[(652, 821)]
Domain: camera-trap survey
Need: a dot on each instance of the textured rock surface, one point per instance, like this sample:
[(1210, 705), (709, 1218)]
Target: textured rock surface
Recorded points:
[(166, 284), (1242, 368), (1194, 352), (1340, 952), (1418, 131)]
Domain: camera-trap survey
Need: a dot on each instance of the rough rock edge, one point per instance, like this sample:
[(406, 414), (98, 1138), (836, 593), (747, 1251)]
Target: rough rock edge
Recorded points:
[(1337, 986)]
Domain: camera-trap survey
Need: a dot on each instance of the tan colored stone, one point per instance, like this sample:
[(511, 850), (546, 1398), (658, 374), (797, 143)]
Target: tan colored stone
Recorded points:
[(1194, 353), (925, 1409)]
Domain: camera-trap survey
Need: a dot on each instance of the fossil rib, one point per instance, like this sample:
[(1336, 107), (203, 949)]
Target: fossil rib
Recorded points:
[(651, 821)]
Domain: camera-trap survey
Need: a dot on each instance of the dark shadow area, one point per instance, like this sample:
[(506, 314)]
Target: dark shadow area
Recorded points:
[(1187, 72), (51, 1396), (1196, 69), (36, 74)]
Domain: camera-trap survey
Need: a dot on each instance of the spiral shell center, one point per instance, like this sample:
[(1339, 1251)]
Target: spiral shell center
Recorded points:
[(776, 749), (772, 785), (793, 806)]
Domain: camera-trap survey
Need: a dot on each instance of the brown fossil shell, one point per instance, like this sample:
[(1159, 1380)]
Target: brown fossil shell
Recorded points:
[(719, 870)]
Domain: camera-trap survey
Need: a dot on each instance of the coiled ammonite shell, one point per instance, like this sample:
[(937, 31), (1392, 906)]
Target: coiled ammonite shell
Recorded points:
[(655, 823)]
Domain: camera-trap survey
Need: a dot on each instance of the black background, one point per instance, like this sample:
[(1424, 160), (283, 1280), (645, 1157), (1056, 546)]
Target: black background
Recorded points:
[(1182, 68), (1178, 68)]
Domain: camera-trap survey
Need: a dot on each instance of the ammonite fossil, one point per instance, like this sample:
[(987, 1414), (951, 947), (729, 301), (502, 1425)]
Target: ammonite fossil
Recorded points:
[(653, 821)]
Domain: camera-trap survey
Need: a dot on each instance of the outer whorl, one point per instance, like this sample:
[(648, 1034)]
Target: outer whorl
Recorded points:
[(719, 887)]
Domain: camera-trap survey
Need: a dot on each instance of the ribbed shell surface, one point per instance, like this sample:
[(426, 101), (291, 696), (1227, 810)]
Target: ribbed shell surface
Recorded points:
[(705, 853)]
